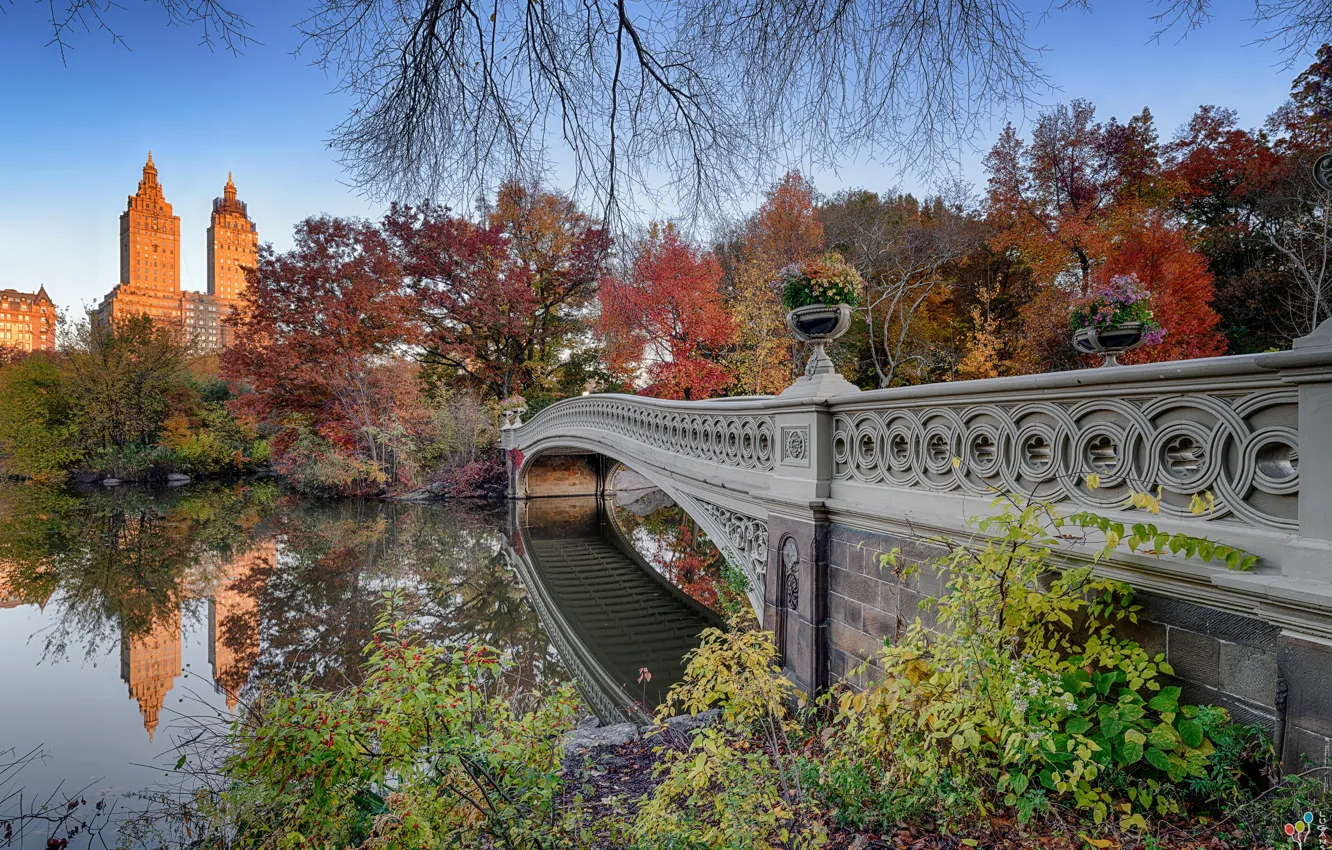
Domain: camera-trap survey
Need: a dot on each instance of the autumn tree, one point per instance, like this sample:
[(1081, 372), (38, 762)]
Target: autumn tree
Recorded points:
[(665, 320), (1263, 220), (1058, 199), (1181, 286), (1219, 171), (909, 253), (316, 336), (504, 302), (1079, 194), (785, 229)]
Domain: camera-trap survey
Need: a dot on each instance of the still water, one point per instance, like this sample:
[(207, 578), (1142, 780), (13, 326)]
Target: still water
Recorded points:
[(128, 617)]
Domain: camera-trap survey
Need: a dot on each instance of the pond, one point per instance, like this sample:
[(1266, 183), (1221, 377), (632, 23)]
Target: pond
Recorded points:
[(130, 616)]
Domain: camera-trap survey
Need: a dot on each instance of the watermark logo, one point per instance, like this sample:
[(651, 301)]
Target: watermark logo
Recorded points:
[(1300, 831)]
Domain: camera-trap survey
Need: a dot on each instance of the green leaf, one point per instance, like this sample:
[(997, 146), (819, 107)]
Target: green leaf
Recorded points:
[(1164, 737), (1077, 725), (1133, 746), (1158, 760), (1111, 727), (1190, 731), (1167, 700)]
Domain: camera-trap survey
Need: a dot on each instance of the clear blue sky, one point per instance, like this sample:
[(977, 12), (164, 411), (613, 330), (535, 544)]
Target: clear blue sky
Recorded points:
[(75, 136)]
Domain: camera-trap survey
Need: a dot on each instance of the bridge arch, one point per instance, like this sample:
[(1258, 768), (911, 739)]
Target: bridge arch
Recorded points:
[(570, 465)]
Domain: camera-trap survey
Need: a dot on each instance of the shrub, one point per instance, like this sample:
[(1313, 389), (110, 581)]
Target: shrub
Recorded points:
[(479, 479), (1023, 697), (38, 431), (428, 752), (735, 786)]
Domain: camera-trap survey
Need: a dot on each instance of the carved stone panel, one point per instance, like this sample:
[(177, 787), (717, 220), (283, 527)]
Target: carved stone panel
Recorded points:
[(795, 445), (746, 537), (1242, 447)]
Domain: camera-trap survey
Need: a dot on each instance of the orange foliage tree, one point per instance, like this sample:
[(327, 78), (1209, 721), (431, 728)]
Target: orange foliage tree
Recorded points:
[(784, 230), (666, 319), (1181, 287), (1085, 200)]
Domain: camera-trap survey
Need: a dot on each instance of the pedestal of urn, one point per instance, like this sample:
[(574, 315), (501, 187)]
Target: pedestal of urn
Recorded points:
[(816, 325)]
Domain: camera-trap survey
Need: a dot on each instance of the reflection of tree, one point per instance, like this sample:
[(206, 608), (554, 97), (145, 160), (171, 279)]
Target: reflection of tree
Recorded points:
[(117, 563), (336, 560), (670, 540), (294, 587)]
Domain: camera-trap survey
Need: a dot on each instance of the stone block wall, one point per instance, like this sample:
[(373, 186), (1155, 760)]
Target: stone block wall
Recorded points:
[(1219, 658), (563, 475)]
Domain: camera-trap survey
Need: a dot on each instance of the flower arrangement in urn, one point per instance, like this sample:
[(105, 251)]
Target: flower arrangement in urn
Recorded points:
[(823, 280), (1113, 318), (819, 294)]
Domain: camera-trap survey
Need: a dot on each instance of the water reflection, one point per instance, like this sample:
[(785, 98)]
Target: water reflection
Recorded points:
[(198, 596), (621, 627)]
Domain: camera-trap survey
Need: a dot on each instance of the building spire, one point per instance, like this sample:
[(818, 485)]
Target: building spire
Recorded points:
[(229, 191), (149, 170)]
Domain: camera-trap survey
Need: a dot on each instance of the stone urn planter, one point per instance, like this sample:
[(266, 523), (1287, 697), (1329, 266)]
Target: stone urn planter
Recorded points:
[(817, 325), (1109, 342)]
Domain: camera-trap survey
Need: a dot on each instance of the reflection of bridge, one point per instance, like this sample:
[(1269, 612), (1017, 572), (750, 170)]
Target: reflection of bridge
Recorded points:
[(843, 475), (608, 613)]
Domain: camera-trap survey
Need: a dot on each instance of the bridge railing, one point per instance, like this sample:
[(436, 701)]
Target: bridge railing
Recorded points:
[(736, 433), (1249, 434), (1227, 427)]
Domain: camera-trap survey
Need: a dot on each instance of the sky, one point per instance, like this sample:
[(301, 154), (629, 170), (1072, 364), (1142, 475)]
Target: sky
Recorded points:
[(74, 135)]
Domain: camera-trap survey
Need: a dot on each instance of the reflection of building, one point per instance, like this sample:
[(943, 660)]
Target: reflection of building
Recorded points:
[(233, 620), (27, 320), (11, 596), (150, 263), (149, 664)]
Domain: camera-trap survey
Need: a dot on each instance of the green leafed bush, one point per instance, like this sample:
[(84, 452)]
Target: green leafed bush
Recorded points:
[(1021, 697), (428, 751)]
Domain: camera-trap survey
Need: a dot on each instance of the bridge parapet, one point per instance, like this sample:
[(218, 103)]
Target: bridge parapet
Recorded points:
[(1254, 432), (725, 432)]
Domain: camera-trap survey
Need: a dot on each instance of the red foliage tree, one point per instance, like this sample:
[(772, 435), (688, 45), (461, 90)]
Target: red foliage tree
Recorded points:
[(1181, 287), (315, 334), (664, 321), (1062, 200), (502, 301)]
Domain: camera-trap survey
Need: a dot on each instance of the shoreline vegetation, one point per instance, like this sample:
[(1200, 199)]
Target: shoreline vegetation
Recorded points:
[(133, 404)]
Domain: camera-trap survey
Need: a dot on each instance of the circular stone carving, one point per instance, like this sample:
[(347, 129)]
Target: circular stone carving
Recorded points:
[(983, 451), (1183, 457), (796, 447), (1273, 456)]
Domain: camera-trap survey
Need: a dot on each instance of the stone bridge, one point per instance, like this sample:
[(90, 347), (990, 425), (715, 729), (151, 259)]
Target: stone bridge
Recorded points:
[(805, 490)]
